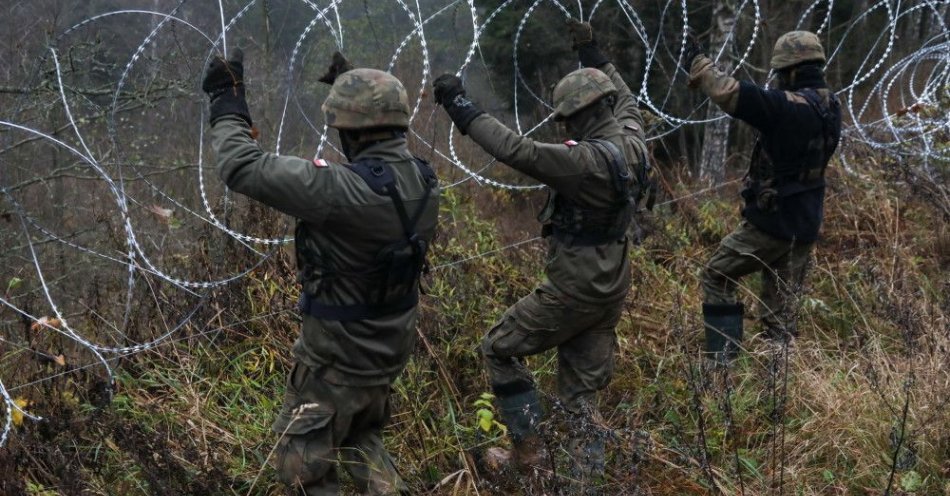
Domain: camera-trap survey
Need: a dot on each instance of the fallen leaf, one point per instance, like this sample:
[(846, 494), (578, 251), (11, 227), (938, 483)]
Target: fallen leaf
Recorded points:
[(164, 213), (17, 415), (46, 322), (60, 360), (497, 458), (69, 398)]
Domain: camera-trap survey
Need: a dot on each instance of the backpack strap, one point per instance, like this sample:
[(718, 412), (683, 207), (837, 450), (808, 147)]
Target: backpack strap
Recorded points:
[(827, 109), (620, 176)]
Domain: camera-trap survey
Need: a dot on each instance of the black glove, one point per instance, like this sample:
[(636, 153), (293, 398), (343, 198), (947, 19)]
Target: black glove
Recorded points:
[(693, 49), (450, 93), (338, 66), (582, 40), (224, 84)]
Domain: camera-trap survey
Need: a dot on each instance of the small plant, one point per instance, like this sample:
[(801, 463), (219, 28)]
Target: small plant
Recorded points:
[(485, 415)]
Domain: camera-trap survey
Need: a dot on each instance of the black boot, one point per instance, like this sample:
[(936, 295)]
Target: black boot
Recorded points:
[(723, 325), (520, 411)]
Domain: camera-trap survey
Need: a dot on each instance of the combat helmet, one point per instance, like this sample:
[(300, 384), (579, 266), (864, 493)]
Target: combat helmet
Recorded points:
[(367, 98), (578, 90), (795, 47)]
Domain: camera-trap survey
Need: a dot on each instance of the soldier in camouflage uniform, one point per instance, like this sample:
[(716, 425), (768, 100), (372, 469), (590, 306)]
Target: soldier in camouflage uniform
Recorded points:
[(361, 236), (594, 183), (799, 126)]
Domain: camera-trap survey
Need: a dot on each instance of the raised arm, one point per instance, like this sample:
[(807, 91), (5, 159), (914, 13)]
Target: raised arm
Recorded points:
[(626, 109), (556, 165), (720, 87), (292, 185), (625, 106), (762, 108), (559, 166), (295, 186)]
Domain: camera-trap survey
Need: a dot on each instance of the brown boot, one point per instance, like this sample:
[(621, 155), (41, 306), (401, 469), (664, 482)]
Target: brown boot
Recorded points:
[(528, 453)]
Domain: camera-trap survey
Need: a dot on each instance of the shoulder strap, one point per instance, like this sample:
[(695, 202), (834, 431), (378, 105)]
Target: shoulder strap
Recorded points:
[(379, 176), (620, 175), (827, 109), (431, 181), (376, 174)]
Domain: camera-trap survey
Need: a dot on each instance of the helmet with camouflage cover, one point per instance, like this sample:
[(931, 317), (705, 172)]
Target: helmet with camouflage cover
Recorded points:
[(795, 47), (578, 90), (366, 98)]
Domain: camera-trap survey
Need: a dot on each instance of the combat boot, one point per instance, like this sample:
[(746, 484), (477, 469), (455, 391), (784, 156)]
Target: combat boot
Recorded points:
[(723, 325), (521, 413), (587, 461)]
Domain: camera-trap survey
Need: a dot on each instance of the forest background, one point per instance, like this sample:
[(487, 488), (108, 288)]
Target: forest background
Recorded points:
[(154, 344)]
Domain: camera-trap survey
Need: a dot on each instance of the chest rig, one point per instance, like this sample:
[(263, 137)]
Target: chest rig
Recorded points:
[(579, 225), (392, 279), (771, 177)]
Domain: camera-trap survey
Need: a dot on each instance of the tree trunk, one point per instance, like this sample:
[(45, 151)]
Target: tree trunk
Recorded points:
[(716, 136)]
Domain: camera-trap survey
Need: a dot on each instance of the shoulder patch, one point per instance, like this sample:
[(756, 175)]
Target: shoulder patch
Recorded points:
[(570, 143), (795, 97), (319, 162)]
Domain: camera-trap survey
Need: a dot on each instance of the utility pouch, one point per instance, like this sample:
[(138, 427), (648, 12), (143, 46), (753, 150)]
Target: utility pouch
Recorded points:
[(766, 199), (401, 263)]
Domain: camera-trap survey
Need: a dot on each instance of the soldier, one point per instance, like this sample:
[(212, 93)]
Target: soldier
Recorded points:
[(799, 126), (594, 183), (361, 238)]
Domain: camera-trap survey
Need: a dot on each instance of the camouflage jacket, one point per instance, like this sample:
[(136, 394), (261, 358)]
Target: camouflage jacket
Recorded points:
[(341, 218), (585, 274)]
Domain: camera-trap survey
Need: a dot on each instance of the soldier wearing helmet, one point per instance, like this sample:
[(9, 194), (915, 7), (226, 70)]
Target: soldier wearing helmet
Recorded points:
[(799, 126), (361, 239), (594, 180)]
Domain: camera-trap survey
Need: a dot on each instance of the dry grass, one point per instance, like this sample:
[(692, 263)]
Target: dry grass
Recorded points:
[(193, 415)]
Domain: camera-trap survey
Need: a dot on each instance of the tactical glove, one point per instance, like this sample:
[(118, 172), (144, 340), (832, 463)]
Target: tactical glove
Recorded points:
[(581, 33), (338, 66), (450, 93), (224, 84), (582, 36)]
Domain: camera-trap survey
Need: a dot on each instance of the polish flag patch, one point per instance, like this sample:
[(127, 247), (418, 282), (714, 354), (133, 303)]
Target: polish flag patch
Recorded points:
[(319, 162), (570, 143)]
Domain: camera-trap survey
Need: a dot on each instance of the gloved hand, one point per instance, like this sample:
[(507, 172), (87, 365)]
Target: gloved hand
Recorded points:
[(450, 93), (446, 87), (338, 66), (224, 84), (693, 49), (581, 33), (582, 40)]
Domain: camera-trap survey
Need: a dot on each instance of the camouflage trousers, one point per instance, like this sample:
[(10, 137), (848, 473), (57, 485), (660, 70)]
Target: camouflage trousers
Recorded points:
[(583, 334), (781, 263), (321, 423)]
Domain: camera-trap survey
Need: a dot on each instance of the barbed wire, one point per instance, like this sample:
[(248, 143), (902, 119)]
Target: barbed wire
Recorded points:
[(919, 79)]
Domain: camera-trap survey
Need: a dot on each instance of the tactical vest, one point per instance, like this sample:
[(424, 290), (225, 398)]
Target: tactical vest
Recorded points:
[(395, 271), (770, 178), (578, 225)]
